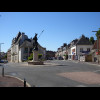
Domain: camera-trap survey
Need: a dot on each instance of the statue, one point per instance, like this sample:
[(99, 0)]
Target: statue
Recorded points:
[(35, 53), (35, 44)]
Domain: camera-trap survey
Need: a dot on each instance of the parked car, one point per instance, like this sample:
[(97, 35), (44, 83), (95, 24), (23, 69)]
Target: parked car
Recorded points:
[(3, 61), (24, 59)]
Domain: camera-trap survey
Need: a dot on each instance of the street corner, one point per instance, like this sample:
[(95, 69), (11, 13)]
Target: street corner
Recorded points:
[(11, 81)]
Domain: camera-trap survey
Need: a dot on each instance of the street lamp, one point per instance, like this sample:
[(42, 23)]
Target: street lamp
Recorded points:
[(0, 49), (97, 45)]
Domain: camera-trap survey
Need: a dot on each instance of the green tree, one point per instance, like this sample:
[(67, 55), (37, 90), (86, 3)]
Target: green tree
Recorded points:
[(31, 56), (92, 40), (97, 33)]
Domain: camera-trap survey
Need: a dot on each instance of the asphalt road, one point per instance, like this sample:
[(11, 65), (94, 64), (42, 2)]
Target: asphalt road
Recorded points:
[(48, 75)]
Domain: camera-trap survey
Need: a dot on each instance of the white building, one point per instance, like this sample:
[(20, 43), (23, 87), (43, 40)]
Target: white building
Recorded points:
[(62, 52), (80, 47), (22, 47)]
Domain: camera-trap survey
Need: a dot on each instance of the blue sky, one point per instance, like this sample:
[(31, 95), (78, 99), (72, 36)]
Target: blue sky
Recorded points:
[(59, 27)]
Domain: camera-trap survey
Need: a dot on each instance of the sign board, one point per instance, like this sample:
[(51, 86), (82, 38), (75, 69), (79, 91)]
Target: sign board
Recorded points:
[(85, 52), (82, 58), (96, 53)]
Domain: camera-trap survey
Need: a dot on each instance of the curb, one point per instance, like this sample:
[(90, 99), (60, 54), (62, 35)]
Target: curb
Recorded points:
[(20, 80)]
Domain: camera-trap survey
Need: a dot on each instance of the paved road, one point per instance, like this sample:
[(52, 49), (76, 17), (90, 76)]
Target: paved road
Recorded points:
[(48, 75)]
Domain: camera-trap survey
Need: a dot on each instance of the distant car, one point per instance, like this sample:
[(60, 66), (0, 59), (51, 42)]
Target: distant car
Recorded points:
[(50, 58), (3, 61), (24, 59)]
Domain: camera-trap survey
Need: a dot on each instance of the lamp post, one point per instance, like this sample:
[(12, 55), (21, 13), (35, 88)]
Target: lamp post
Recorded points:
[(0, 49), (97, 46)]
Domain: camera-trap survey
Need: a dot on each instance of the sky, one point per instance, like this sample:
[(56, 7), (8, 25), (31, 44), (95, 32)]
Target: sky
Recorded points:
[(59, 27)]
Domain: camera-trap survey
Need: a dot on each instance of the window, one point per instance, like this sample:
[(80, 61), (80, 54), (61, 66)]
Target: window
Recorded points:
[(81, 49), (26, 50), (31, 50), (88, 49)]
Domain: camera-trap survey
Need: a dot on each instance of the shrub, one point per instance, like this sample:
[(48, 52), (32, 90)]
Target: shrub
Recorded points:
[(30, 57)]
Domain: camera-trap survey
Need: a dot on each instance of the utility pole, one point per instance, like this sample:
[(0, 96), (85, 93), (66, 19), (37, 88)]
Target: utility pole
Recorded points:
[(97, 46), (0, 49)]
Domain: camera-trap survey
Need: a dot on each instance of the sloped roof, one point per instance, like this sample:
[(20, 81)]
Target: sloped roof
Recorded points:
[(26, 43), (83, 41)]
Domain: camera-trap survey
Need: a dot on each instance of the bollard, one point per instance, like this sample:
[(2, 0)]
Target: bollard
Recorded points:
[(2, 71), (24, 82)]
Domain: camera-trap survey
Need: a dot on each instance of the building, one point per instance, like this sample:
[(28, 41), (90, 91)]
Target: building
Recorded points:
[(95, 52), (75, 50), (80, 48), (62, 52), (22, 47), (9, 55), (3, 55), (50, 54)]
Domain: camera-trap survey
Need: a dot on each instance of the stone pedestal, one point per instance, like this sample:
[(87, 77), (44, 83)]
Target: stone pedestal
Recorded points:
[(35, 59), (35, 55), (36, 63)]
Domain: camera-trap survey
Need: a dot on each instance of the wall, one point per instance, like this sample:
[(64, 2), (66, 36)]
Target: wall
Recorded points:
[(84, 48), (9, 56)]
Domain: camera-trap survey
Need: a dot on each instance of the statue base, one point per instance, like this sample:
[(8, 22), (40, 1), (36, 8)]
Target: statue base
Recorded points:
[(36, 63), (35, 59), (35, 55)]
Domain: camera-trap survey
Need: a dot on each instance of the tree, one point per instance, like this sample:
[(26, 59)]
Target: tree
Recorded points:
[(97, 33), (92, 40)]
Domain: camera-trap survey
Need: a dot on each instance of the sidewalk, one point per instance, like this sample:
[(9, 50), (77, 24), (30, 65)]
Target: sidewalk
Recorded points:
[(8, 81)]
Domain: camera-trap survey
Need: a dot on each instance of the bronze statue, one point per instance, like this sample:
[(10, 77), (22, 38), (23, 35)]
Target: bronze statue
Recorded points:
[(35, 44)]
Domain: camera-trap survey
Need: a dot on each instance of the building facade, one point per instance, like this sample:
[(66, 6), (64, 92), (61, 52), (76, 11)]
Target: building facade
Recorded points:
[(80, 48), (9, 55), (62, 52), (96, 51), (50, 55), (76, 49), (22, 47)]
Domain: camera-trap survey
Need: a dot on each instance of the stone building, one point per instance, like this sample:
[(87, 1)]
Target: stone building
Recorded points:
[(96, 51), (9, 55), (62, 52), (22, 47), (50, 54)]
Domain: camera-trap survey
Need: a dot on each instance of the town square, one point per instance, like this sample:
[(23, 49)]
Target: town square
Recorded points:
[(52, 54)]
